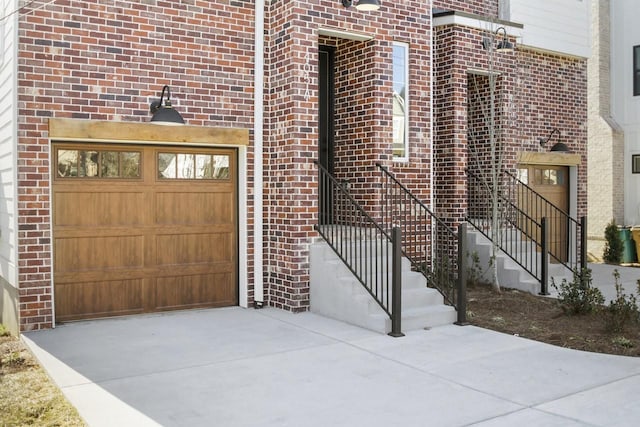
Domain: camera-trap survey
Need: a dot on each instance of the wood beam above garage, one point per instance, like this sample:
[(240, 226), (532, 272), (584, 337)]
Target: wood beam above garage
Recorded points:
[(549, 158), (144, 133)]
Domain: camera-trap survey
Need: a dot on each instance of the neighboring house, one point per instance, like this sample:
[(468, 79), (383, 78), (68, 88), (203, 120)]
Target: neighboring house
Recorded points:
[(614, 123), (609, 80), (95, 221)]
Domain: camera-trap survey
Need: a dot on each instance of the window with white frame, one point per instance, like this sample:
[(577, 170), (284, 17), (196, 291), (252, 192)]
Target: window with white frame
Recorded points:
[(636, 70), (400, 101)]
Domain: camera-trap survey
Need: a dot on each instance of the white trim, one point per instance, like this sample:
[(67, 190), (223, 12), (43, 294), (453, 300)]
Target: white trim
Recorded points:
[(243, 245), (432, 197), (480, 72), (14, 130), (243, 248), (344, 34), (52, 236), (258, 281), (477, 23), (407, 103)]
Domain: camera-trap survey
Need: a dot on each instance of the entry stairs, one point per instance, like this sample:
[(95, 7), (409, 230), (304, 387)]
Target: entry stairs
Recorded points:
[(336, 293), (511, 274)]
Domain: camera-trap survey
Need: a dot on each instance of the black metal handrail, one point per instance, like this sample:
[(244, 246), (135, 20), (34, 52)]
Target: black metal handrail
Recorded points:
[(431, 245), (518, 235), (370, 252), (567, 242), (532, 229)]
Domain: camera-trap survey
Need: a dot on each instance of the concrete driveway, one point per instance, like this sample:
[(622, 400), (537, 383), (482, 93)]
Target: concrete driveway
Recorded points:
[(245, 367), (603, 279)]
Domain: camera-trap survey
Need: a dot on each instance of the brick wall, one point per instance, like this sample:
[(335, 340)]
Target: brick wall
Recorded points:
[(535, 92), (84, 60), (87, 60), (363, 122), (488, 8)]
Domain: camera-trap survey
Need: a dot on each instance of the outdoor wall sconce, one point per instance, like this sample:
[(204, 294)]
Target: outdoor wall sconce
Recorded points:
[(362, 4), (503, 45), (165, 114), (558, 146)]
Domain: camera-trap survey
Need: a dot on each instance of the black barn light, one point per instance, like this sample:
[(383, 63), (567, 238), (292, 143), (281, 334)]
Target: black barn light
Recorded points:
[(165, 114), (362, 4)]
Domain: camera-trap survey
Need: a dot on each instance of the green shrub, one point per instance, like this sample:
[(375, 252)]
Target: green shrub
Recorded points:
[(614, 246), (622, 310), (578, 296)]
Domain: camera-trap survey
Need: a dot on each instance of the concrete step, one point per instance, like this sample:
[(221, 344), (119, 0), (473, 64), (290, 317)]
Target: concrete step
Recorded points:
[(417, 318), (510, 273), (336, 293), (411, 299)]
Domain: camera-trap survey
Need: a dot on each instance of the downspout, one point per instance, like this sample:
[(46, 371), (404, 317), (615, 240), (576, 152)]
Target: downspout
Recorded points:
[(258, 131), (431, 115)]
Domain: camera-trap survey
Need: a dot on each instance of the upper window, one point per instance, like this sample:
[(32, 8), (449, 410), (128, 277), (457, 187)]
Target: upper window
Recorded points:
[(98, 164), (400, 101), (635, 163), (636, 70), (193, 166), (549, 177)]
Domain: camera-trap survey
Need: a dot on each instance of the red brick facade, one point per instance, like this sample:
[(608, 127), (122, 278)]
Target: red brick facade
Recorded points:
[(84, 60), (363, 127), (534, 93), (477, 7)]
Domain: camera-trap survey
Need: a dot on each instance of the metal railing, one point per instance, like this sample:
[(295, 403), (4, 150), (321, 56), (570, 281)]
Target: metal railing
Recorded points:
[(525, 221), (371, 253), (517, 234), (434, 249), (566, 236)]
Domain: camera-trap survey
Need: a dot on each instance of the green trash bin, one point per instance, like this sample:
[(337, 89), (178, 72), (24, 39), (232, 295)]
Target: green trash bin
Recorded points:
[(628, 245)]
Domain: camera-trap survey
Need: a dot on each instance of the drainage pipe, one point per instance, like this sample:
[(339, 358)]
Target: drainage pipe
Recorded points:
[(258, 131)]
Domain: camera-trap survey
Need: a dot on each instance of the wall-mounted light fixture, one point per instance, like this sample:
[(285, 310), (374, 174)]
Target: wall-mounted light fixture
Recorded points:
[(558, 146), (503, 44), (165, 114), (362, 4)]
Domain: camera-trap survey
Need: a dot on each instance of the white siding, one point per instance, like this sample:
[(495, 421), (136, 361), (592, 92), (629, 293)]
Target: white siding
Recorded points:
[(625, 33), (8, 142), (625, 108), (554, 25)]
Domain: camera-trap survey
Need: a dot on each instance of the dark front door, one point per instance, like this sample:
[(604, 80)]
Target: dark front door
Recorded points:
[(325, 127)]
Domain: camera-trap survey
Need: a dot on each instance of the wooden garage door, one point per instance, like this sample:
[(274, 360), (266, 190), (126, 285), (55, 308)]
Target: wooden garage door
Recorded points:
[(143, 229)]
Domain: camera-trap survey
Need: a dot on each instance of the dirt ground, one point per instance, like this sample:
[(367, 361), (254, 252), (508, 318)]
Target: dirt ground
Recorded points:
[(542, 319), (27, 395)]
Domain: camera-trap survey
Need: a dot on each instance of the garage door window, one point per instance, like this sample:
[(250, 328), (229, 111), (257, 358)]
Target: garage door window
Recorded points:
[(193, 166), (98, 164)]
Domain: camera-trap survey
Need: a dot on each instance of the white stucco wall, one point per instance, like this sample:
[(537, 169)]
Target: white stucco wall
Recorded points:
[(625, 108), (8, 143), (560, 26)]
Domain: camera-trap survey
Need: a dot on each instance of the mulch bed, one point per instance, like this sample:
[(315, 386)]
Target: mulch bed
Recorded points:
[(541, 319)]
